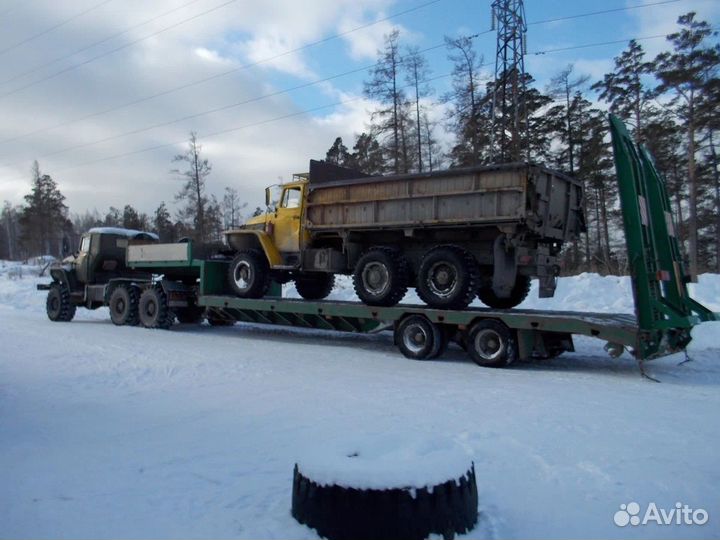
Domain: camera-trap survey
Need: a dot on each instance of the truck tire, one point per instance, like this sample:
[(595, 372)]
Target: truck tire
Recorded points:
[(123, 305), (58, 306), (448, 278), (519, 292), (249, 274), (491, 343), (337, 512), (315, 286), (381, 277), (153, 309), (419, 339)]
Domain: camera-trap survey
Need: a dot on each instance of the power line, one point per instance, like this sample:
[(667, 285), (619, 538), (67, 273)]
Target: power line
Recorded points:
[(221, 74), (121, 47), (54, 27), (604, 11), (113, 36), (600, 44)]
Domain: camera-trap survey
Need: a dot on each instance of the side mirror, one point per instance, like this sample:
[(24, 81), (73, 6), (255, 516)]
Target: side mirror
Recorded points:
[(267, 196)]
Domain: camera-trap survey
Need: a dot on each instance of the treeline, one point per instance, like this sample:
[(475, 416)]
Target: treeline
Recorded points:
[(670, 103)]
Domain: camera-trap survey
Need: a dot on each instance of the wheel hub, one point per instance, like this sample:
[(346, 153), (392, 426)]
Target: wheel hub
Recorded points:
[(376, 278), (442, 279), (415, 338), (243, 275), (489, 345)]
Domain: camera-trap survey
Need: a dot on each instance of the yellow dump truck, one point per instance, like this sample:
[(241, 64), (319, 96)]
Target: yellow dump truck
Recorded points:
[(453, 234)]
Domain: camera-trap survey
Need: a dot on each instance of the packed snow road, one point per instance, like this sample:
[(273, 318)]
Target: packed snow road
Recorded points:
[(124, 432)]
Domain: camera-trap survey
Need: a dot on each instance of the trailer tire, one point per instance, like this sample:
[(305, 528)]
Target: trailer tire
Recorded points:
[(249, 274), (519, 292), (419, 339), (381, 277), (315, 286), (448, 278), (58, 305), (123, 305), (153, 309), (491, 343), (337, 512)]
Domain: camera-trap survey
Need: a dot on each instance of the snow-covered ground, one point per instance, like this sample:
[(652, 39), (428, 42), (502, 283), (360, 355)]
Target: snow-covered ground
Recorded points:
[(128, 433)]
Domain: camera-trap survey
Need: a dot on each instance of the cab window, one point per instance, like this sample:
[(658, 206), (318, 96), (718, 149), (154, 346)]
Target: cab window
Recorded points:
[(291, 198), (85, 244)]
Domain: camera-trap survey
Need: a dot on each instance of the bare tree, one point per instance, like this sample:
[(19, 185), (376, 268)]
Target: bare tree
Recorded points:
[(193, 189), (416, 74), (563, 86), (231, 207)]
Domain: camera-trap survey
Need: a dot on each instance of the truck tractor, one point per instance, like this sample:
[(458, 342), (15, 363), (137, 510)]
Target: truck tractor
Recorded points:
[(98, 275), (453, 235)]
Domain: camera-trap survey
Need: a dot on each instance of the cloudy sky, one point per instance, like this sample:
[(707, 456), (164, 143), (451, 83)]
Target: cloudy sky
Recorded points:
[(103, 93)]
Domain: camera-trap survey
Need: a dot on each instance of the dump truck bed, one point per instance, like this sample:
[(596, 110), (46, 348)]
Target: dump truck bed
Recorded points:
[(546, 202)]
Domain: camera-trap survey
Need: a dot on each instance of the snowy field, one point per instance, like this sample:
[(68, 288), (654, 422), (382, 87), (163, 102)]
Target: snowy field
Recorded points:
[(110, 432)]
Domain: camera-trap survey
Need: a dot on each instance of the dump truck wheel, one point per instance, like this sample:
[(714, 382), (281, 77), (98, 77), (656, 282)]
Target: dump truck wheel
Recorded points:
[(123, 305), (381, 277), (249, 274), (337, 512), (189, 315), (418, 338), (315, 286), (58, 305), (519, 292), (448, 278), (491, 343), (153, 309)]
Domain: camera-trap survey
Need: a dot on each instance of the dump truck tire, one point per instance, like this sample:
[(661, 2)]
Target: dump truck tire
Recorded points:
[(314, 286), (123, 305), (519, 292), (491, 344), (448, 278), (249, 274), (420, 339), (58, 306), (346, 513), (381, 277), (153, 309)]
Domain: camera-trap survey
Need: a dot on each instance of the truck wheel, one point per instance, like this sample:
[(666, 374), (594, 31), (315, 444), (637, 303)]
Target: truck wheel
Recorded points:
[(58, 304), (124, 305), (491, 344), (519, 292), (381, 277), (448, 278), (154, 310), (340, 512), (249, 274), (314, 286), (419, 339)]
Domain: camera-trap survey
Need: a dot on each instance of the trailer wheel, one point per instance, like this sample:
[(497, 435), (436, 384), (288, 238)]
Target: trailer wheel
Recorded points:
[(381, 277), (315, 286), (519, 292), (491, 344), (448, 278), (153, 309), (58, 305), (123, 305), (419, 339), (337, 512), (249, 274)]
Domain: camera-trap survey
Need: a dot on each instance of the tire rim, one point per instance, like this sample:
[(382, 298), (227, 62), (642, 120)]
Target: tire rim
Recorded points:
[(119, 306), (243, 275), (151, 308), (442, 279), (489, 344), (376, 278), (415, 337)]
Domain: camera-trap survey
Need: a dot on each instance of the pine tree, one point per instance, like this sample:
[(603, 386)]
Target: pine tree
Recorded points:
[(131, 218), (163, 225), (192, 192), (338, 153), (113, 218), (367, 156)]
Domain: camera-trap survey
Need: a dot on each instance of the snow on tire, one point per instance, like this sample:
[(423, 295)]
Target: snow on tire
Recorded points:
[(346, 513)]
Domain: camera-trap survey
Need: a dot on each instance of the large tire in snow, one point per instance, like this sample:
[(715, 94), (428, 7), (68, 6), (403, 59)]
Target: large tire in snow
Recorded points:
[(154, 310), (58, 305), (123, 305), (448, 278), (346, 513), (381, 277), (314, 286), (519, 292), (249, 274)]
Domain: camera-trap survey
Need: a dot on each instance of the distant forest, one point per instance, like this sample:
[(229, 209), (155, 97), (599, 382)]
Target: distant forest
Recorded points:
[(671, 103)]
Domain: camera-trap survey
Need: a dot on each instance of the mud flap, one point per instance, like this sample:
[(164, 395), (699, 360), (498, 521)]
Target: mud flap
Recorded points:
[(504, 268)]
